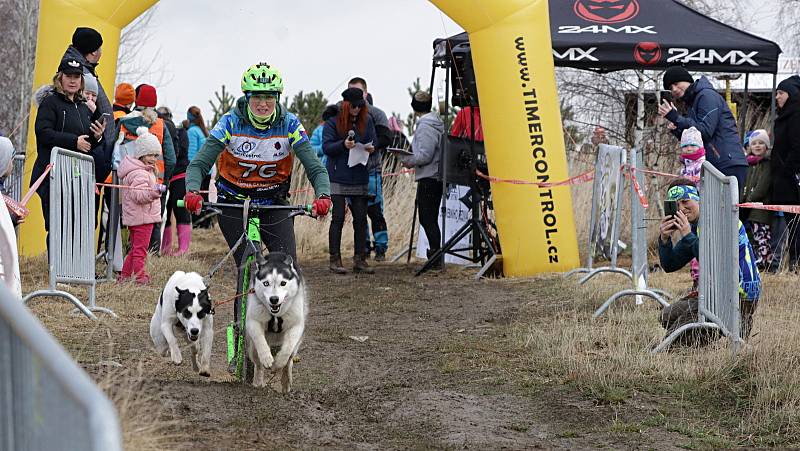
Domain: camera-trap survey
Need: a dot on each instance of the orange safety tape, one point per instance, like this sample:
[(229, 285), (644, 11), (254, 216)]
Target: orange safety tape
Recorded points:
[(759, 206)]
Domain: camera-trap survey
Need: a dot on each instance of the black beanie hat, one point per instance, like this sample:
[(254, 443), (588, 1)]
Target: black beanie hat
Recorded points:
[(354, 95), (86, 40), (790, 86), (675, 74)]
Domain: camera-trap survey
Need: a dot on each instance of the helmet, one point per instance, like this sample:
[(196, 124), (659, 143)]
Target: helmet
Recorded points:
[(262, 77)]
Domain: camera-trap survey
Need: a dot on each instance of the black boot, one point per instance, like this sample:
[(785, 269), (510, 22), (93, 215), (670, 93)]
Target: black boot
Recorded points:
[(360, 265), (437, 265)]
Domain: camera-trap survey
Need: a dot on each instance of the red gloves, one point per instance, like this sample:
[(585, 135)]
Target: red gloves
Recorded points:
[(321, 206), (193, 202)]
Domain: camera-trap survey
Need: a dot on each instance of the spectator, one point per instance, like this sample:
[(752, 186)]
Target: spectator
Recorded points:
[(693, 154), (380, 232), (758, 188), (87, 49), (709, 113), (141, 207), (124, 96), (63, 120), (785, 164), (90, 90), (145, 116), (316, 137), (678, 244), (10, 273), (351, 125), (177, 190), (197, 133), (427, 152)]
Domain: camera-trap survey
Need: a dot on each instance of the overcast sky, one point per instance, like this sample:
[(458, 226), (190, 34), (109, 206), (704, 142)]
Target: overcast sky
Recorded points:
[(317, 45)]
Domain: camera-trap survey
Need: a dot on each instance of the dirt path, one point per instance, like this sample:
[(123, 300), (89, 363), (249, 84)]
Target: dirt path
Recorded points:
[(437, 370)]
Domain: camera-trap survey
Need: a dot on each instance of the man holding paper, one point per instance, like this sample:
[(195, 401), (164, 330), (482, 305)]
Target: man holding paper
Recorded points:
[(347, 140)]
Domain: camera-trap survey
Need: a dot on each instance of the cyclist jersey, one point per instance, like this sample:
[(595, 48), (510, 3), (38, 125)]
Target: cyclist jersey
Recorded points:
[(258, 160)]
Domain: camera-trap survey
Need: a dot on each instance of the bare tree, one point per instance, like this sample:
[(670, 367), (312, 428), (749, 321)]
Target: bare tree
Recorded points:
[(788, 19), (132, 65), (17, 47)]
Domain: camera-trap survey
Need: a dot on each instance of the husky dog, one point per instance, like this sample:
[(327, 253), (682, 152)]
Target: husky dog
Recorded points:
[(184, 306), (276, 316)]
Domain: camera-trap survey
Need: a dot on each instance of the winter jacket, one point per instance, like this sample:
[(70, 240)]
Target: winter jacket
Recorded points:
[(691, 168), (136, 120), (786, 154), (709, 113), (179, 146), (383, 138), (196, 141), (673, 258), (103, 104), (235, 135), (59, 123), (427, 147), (316, 143), (338, 154), (758, 188), (140, 205)]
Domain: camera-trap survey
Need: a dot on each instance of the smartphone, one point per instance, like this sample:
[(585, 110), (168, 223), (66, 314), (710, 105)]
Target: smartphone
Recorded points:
[(665, 95), (670, 207)]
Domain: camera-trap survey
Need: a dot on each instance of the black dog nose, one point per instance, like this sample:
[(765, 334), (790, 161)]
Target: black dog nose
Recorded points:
[(194, 331), (273, 300)]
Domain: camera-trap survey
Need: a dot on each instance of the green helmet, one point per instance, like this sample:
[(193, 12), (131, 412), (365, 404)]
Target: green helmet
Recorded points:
[(262, 77)]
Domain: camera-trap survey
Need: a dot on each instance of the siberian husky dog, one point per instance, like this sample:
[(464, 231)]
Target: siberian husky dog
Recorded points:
[(185, 308), (276, 317)]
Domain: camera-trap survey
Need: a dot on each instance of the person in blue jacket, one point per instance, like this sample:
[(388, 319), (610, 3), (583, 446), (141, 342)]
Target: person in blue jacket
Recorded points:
[(351, 125), (708, 112), (679, 243)]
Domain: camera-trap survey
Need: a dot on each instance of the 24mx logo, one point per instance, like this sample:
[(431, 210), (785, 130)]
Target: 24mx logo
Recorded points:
[(711, 56), (606, 11), (576, 54), (606, 29), (647, 53)]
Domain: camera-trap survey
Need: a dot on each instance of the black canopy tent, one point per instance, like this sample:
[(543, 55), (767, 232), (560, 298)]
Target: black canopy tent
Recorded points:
[(612, 35)]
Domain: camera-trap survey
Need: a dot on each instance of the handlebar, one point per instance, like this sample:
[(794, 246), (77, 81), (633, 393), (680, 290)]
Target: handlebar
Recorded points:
[(303, 209)]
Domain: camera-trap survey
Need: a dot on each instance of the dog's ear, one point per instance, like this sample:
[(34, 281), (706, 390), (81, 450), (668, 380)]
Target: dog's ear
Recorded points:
[(260, 260), (180, 292), (288, 260)]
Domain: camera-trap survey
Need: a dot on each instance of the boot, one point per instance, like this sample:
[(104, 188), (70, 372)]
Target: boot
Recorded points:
[(380, 254), (184, 239), (166, 242), (438, 264), (360, 265), (336, 264)]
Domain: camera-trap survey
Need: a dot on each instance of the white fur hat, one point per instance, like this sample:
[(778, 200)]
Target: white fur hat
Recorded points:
[(691, 137), (146, 143)]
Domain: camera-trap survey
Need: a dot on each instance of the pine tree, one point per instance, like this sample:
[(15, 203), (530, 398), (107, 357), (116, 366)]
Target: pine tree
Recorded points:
[(224, 102)]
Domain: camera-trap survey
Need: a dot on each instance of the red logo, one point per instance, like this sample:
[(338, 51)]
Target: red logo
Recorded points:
[(606, 11), (647, 53)]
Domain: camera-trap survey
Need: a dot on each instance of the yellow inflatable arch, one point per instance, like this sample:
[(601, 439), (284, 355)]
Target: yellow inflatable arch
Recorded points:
[(513, 60)]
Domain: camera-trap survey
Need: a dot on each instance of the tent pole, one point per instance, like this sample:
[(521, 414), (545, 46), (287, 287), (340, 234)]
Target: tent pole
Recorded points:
[(745, 105), (638, 132)]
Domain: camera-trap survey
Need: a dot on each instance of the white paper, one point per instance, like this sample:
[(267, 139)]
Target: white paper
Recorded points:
[(358, 155)]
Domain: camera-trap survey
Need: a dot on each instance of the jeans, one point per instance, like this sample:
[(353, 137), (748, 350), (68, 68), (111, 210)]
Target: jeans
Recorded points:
[(358, 207), (380, 233)]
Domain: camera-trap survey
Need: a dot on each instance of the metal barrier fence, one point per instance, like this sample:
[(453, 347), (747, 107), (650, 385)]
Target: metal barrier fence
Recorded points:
[(605, 217), (718, 303), (638, 245), (47, 401), (72, 223), (13, 183)]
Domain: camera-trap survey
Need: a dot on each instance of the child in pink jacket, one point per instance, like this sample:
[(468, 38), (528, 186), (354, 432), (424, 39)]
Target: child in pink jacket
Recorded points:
[(141, 202)]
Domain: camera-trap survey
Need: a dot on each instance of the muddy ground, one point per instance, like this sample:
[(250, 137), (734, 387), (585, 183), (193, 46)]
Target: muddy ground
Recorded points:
[(441, 368)]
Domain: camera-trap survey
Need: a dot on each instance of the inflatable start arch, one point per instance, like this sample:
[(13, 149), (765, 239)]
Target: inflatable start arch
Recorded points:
[(511, 46)]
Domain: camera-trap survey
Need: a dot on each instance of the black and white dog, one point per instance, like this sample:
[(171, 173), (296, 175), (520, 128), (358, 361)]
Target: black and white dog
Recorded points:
[(184, 307), (276, 316)]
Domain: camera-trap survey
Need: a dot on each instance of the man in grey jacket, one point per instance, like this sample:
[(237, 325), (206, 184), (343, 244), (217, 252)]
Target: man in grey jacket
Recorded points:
[(426, 153)]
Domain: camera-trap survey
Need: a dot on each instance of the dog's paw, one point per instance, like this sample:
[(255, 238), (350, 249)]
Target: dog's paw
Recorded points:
[(279, 364), (177, 358), (267, 361)]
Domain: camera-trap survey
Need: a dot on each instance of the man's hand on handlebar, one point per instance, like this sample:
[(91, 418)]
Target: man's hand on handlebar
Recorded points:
[(321, 206), (193, 202)]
